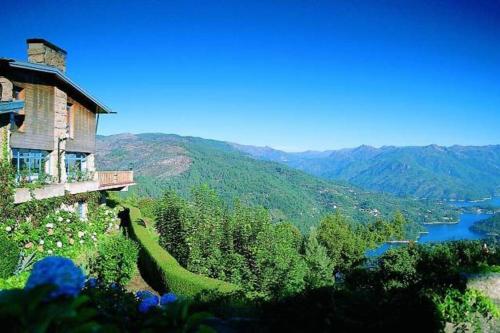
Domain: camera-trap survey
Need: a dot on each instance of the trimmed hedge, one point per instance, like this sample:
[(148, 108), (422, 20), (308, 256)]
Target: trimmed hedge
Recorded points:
[(162, 271)]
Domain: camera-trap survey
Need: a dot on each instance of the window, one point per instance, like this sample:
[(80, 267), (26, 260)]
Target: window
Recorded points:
[(76, 165), (29, 164), (18, 93)]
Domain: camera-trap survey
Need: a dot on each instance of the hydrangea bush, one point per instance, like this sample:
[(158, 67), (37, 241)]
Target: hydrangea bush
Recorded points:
[(64, 233), (57, 298), (67, 278), (149, 301)]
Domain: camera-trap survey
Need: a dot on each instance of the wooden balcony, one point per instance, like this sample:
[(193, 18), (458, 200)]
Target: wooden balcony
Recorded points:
[(14, 106), (119, 180), (102, 181)]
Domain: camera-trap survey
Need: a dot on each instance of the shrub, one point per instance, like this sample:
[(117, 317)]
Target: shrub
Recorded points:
[(15, 281), (9, 256), (397, 268), (64, 234), (66, 278), (70, 307), (115, 261), (465, 310), (165, 272)]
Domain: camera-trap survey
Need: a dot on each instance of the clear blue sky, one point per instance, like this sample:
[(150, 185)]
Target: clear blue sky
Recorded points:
[(293, 75)]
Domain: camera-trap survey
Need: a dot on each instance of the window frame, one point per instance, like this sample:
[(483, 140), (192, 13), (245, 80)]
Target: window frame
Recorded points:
[(34, 159), (75, 157)]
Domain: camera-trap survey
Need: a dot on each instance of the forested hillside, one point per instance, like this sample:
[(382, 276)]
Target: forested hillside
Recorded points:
[(162, 161), (489, 226), (435, 172)]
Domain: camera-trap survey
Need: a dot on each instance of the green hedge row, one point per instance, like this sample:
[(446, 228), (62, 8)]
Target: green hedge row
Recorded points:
[(162, 271)]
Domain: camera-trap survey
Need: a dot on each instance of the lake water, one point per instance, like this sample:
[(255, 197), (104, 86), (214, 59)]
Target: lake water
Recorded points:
[(495, 202), (447, 232)]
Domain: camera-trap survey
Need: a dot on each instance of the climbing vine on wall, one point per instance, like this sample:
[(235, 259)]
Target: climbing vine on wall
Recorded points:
[(36, 210), (7, 180)]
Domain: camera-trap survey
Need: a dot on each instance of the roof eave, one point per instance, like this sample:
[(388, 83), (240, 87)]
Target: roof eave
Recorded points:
[(101, 108)]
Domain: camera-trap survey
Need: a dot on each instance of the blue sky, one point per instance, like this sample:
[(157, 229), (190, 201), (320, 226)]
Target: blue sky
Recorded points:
[(293, 75)]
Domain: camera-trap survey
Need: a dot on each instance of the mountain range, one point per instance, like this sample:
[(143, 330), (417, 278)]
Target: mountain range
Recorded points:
[(164, 161), (430, 172)]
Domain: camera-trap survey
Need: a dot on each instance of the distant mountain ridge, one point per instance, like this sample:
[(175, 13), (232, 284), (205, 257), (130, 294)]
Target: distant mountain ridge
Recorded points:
[(162, 161), (431, 172)]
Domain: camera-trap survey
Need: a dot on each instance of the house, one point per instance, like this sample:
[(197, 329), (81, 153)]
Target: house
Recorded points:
[(49, 124)]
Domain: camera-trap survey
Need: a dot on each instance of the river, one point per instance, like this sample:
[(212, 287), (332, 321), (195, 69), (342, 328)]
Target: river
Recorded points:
[(447, 232)]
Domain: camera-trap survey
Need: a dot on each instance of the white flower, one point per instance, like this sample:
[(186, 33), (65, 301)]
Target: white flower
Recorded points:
[(67, 220), (59, 244), (81, 234), (8, 229), (49, 251), (50, 225), (41, 242), (60, 219), (81, 241)]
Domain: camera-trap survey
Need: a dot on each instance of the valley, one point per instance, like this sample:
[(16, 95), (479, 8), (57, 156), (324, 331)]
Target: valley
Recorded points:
[(164, 161)]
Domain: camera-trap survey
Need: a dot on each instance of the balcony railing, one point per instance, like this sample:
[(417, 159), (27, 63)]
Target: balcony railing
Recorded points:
[(13, 106), (110, 179)]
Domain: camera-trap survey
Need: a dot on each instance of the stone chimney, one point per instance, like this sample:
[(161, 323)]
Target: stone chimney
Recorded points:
[(41, 51)]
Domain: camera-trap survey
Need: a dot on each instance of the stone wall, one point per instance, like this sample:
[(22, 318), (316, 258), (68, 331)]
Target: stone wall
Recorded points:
[(42, 52), (60, 134), (7, 87)]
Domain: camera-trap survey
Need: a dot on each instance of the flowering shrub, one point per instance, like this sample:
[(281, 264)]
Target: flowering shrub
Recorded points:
[(148, 304), (63, 233), (168, 298), (59, 272), (149, 301), (143, 294), (92, 307)]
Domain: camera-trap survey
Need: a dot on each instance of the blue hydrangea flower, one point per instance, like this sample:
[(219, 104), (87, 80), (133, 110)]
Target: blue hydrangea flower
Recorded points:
[(62, 273), (148, 303), (167, 299), (143, 294), (92, 282)]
